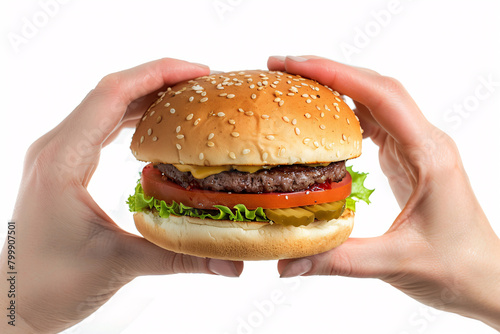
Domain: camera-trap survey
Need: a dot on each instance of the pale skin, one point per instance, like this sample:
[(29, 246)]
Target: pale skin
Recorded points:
[(71, 256), (441, 249)]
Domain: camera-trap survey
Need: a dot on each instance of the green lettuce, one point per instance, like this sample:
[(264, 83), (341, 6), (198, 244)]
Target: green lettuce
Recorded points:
[(139, 202), (359, 192)]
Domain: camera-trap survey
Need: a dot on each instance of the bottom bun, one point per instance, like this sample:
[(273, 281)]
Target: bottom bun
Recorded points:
[(229, 240)]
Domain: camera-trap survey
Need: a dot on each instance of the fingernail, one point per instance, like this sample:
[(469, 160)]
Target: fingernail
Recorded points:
[(297, 268), (280, 58), (215, 72), (201, 65), (223, 268), (297, 59)]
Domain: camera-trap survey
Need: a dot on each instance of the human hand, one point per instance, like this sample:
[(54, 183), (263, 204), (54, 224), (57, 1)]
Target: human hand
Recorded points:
[(441, 249), (71, 256)]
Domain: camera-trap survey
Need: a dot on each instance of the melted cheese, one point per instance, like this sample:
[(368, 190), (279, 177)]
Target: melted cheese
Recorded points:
[(201, 172)]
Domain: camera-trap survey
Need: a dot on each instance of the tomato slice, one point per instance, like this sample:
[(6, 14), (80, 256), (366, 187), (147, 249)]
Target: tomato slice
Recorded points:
[(158, 186)]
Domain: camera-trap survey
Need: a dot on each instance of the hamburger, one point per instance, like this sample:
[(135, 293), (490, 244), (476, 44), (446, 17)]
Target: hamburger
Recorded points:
[(247, 165)]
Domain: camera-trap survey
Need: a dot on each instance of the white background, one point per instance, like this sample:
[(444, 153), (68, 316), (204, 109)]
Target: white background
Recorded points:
[(443, 52)]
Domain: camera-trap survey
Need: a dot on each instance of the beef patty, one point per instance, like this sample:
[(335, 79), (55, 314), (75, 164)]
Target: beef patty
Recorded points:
[(278, 179)]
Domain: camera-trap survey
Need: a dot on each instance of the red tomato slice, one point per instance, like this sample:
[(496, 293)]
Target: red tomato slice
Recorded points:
[(154, 184)]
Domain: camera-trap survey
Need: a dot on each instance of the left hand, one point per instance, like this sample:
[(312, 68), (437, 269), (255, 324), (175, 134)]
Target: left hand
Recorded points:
[(72, 256)]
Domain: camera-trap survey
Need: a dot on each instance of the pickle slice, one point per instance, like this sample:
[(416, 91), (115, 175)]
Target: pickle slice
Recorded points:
[(290, 216), (327, 211)]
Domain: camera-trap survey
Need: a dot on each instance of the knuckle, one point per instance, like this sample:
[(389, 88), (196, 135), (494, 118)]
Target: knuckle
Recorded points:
[(391, 85)]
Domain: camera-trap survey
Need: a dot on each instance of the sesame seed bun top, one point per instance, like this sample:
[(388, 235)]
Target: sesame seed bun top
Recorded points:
[(248, 118)]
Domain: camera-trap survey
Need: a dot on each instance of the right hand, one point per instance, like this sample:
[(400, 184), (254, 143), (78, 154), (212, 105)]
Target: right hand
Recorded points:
[(441, 249)]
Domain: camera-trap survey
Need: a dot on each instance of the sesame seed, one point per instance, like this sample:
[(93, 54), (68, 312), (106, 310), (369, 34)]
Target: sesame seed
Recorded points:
[(338, 153), (305, 95), (294, 121), (290, 94), (344, 137), (322, 126), (314, 97), (220, 87), (293, 90), (336, 116), (288, 82), (306, 141), (282, 151), (337, 108), (246, 151), (264, 156), (277, 99), (252, 86), (270, 137), (223, 94), (210, 136), (178, 146), (335, 104), (308, 101), (178, 129), (142, 139), (158, 120), (180, 136), (286, 196), (241, 110), (282, 102), (172, 111), (201, 156), (308, 192), (150, 132), (152, 113), (221, 114), (348, 122), (230, 96), (249, 113), (155, 138), (144, 118), (203, 93), (178, 92), (322, 114), (254, 96), (189, 117), (197, 121), (210, 144), (232, 121), (264, 82), (297, 131), (259, 84), (204, 99), (260, 88), (235, 134), (316, 144), (317, 107), (232, 155), (336, 98), (285, 119), (167, 104), (307, 115), (265, 116)]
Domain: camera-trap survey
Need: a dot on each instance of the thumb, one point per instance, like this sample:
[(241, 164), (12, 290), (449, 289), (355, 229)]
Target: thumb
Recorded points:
[(142, 257), (357, 257)]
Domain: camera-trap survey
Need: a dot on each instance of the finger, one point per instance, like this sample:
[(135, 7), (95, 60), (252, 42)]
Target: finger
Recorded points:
[(79, 138), (276, 63), (371, 128), (141, 257), (389, 103), (367, 257)]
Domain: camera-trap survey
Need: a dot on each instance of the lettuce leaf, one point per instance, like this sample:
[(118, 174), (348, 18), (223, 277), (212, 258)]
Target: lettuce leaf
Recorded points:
[(139, 202), (359, 192)]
